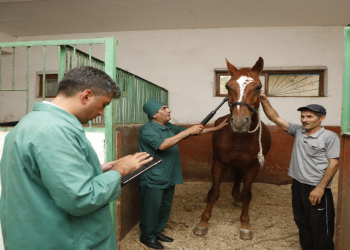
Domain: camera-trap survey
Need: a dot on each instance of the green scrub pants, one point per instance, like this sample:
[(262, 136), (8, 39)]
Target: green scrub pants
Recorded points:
[(155, 210)]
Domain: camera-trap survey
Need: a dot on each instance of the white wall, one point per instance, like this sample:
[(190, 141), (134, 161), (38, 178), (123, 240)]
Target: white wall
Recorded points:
[(182, 61), (6, 38)]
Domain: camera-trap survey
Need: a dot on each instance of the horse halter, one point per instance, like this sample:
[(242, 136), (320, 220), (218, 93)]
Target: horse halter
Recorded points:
[(232, 105), (260, 155)]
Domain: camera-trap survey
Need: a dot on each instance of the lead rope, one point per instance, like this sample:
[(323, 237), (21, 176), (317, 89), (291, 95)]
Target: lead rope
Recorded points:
[(260, 155)]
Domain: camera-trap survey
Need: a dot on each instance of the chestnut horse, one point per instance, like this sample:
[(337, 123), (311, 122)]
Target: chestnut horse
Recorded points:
[(238, 145)]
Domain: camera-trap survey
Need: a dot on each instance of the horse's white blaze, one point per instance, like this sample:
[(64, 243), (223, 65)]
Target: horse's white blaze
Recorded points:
[(243, 81)]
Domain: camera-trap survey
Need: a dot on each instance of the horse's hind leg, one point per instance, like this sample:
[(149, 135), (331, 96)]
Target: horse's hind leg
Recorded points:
[(246, 196), (236, 194), (213, 195)]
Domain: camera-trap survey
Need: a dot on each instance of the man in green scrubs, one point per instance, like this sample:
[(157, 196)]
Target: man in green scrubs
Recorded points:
[(159, 138), (55, 193)]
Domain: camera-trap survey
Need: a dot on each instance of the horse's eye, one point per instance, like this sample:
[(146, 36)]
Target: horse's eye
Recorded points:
[(258, 87), (227, 87)]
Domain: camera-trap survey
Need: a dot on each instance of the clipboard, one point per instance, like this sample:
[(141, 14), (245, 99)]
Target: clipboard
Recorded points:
[(144, 168)]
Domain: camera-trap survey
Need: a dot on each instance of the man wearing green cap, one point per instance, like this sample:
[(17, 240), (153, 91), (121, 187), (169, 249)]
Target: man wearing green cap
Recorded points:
[(159, 138)]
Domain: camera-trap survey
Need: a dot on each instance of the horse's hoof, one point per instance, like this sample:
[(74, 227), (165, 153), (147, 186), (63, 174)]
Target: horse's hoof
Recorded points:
[(246, 234), (200, 231), (237, 203)]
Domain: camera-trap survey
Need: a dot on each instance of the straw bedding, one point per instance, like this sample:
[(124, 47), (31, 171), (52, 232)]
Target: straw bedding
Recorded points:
[(271, 219)]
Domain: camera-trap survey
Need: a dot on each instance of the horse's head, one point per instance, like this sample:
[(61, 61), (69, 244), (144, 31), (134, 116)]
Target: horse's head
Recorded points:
[(243, 94)]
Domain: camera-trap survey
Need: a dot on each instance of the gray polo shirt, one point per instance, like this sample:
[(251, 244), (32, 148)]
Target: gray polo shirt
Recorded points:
[(310, 154)]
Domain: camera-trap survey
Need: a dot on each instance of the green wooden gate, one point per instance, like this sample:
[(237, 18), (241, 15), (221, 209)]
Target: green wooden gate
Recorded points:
[(343, 212)]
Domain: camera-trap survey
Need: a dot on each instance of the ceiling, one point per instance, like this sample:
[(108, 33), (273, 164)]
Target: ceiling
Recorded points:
[(53, 17)]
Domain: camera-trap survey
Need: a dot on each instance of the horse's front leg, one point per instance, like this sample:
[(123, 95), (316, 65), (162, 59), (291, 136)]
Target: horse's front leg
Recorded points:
[(236, 194), (213, 195), (246, 196)]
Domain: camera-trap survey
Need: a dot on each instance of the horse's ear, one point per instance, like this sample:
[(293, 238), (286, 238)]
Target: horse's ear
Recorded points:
[(259, 65), (231, 69)]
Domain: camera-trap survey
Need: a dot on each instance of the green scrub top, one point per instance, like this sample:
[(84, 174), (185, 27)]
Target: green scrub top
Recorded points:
[(54, 193), (169, 172)]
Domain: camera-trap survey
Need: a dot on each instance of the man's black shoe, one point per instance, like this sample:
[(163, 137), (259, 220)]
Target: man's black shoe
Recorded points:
[(155, 244), (164, 238)]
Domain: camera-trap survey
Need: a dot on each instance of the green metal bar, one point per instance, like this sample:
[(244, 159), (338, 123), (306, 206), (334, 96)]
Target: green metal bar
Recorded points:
[(70, 61), (144, 92), (110, 56), (27, 82), (140, 100), (136, 98), (13, 90), (132, 98), (121, 99), (129, 98), (66, 64), (77, 57), (82, 60), (85, 61), (345, 118), (74, 56), (13, 67), (123, 106), (0, 68), (44, 72), (54, 43), (110, 118), (90, 53), (166, 98), (61, 62)]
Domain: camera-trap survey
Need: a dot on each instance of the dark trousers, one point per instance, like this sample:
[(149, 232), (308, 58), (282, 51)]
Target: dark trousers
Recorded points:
[(315, 223), (155, 210)]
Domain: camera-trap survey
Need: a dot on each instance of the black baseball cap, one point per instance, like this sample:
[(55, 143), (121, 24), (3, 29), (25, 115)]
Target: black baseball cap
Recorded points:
[(314, 107)]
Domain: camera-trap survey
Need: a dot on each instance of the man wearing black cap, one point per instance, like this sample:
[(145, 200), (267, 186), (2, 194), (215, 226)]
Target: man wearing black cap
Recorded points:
[(159, 138), (313, 165)]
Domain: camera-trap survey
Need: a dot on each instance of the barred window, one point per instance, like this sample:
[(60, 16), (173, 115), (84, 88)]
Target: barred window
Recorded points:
[(282, 83)]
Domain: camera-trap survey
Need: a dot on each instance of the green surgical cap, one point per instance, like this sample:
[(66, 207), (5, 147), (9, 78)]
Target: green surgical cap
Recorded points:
[(151, 107)]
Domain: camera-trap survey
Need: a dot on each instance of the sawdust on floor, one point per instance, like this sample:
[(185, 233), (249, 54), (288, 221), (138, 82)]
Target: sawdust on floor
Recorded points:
[(271, 219)]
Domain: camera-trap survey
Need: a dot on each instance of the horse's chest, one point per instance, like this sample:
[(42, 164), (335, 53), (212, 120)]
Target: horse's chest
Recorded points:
[(238, 151)]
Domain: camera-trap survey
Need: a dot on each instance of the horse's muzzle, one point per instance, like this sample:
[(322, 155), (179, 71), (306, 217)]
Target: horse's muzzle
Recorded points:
[(240, 124)]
